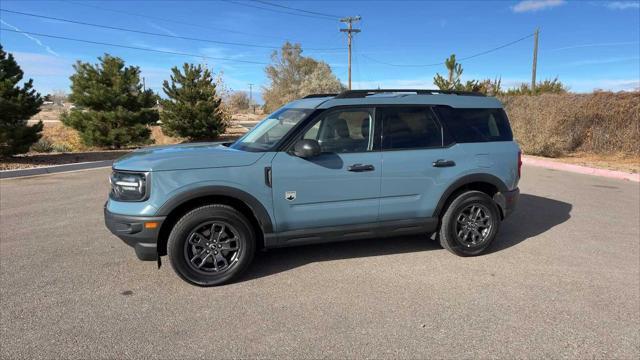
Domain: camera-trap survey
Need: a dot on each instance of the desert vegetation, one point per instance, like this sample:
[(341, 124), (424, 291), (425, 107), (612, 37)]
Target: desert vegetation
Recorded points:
[(554, 125)]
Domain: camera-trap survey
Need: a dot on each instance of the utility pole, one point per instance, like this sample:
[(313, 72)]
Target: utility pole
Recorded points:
[(144, 84), (251, 98), (350, 30), (535, 61)]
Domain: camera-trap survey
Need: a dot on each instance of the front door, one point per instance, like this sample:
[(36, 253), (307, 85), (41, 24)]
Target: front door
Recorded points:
[(339, 187)]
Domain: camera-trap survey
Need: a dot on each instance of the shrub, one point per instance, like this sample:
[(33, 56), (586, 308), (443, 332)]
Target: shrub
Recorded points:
[(546, 86), (61, 147), (17, 105), (293, 76), (42, 146), (558, 124), (239, 101), (112, 109)]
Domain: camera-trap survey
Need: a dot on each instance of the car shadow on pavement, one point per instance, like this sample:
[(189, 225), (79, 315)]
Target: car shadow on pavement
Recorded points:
[(534, 215)]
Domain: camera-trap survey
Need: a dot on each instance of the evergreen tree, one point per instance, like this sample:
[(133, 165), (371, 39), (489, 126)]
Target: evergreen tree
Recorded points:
[(17, 105), (112, 109), (452, 81), (193, 109)]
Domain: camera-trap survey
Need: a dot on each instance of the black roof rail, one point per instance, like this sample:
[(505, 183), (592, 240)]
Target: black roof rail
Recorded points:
[(310, 96), (352, 94)]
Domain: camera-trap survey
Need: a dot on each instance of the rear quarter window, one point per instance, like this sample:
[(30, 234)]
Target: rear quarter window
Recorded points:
[(475, 125)]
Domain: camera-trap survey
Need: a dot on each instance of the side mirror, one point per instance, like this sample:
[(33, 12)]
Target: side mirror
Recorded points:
[(306, 148)]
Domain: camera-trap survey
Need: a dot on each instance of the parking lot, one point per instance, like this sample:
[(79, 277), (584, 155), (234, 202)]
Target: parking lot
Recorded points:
[(562, 280)]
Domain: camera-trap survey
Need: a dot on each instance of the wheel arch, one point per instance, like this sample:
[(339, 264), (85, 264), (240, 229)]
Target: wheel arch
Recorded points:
[(242, 201), (487, 183)]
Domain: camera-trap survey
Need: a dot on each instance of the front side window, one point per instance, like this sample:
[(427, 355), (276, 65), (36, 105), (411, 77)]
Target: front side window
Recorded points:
[(409, 128), (475, 125), (265, 135), (343, 131)]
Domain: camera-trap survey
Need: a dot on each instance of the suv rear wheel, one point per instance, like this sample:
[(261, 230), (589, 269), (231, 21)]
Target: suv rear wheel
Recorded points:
[(211, 245), (470, 224)]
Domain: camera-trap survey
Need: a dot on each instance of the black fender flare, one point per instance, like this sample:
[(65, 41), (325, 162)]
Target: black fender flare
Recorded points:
[(465, 180), (258, 210)]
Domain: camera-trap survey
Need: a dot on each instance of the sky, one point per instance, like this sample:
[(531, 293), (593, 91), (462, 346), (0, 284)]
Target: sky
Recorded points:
[(586, 44)]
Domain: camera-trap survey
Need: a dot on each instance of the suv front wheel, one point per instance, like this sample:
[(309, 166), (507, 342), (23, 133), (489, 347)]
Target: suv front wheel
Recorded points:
[(470, 224), (211, 245)]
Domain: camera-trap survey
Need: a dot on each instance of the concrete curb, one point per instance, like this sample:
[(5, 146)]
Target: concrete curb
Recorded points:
[(550, 164), (8, 174)]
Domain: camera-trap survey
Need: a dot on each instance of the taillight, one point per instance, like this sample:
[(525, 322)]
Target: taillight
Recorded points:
[(519, 164)]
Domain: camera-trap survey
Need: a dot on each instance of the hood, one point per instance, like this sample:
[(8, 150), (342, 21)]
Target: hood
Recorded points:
[(185, 156)]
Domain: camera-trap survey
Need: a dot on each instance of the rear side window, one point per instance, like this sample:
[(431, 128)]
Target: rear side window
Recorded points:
[(409, 128), (475, 125)]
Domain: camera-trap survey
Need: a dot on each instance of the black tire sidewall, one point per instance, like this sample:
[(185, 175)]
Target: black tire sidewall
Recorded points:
[(178, 237), (447, 227)]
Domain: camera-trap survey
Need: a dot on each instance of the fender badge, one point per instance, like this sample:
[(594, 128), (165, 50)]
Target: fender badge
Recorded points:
[(290, 195)]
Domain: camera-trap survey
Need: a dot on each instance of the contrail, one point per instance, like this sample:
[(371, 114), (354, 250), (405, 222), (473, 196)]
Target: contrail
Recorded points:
[(37, 41)]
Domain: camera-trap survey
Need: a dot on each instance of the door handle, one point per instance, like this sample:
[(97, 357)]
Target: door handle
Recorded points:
[(361, 168), (444, 163)]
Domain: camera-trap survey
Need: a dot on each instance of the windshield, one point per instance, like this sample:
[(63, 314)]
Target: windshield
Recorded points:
[(270, 130)]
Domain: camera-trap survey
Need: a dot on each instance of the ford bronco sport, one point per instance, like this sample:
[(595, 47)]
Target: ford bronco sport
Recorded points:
[(328, 167)]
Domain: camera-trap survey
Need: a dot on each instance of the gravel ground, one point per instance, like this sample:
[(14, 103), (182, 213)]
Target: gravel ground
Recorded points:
[(562, 281)]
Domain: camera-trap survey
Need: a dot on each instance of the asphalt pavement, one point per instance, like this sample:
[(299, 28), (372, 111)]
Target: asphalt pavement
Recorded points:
[(561, 281)]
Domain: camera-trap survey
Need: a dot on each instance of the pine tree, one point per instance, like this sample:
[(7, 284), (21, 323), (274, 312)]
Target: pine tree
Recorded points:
[(112, 109), (193, 109), (17, 105), (452, 82)]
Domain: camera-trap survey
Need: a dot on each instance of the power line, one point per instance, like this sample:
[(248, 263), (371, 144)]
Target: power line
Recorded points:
[(178, 21), (461, 59), (153, 33), (279, 11), (497, 48), (168, 20), (334, 17), (133, 47)]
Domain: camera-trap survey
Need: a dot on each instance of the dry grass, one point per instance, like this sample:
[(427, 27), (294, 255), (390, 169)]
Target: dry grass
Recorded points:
[(63, 137), (555, 125)]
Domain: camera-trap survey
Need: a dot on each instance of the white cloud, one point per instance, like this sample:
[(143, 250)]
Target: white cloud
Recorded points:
[(601, 61), (37, 41), (623, 5), (624, 43), (603, 84), (535, 5)]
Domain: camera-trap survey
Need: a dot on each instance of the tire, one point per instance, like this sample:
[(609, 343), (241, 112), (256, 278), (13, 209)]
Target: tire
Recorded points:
[(459, 220), (203, 231)]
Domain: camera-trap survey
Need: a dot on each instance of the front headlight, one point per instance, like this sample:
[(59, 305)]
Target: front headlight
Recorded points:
[(129, 186)]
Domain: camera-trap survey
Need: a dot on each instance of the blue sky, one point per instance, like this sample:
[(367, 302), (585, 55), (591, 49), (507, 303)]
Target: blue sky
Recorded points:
[(587, 44)]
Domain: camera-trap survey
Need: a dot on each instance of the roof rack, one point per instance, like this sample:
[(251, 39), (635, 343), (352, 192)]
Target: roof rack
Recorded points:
[(310, 96), (352, 94)]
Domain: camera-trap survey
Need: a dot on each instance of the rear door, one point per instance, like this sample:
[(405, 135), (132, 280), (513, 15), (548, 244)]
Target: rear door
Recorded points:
[(339, 187), (416, 165)]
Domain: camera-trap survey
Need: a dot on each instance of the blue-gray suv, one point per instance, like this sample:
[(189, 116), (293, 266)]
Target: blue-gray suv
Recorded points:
[(328, 167)]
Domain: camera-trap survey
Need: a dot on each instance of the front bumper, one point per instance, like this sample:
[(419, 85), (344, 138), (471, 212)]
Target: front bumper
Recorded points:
[(132, 231), (507, 201)]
